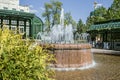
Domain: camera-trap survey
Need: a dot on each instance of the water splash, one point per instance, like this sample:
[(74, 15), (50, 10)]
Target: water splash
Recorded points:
[(58, 33), (73, 69), (62, 17)]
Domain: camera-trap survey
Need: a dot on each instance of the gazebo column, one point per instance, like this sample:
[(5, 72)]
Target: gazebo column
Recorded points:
[(17, 26), (105, 33), (103, 37), (106, 36), (1, 22), (111, 40), (24, 28), (30, 28), (9, 23)]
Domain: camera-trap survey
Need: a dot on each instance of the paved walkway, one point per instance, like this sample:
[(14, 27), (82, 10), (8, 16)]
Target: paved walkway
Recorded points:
[(104, 51)]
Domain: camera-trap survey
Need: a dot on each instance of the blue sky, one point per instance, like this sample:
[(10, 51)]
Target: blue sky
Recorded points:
[(80, 9)]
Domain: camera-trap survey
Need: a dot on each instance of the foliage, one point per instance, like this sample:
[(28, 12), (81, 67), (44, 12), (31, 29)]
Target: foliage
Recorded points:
[(20, 62), (52, 13), (103, 14), (47, 15), (114, 11), (81, 27), (98, 15), (69, 20), (57, 5)]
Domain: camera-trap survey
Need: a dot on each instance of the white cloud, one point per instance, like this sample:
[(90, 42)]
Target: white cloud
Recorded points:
[(32, 10)]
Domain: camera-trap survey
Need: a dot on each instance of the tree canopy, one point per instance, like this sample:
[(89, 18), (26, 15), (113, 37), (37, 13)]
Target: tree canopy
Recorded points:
[(52, 13), (103, 14), (81, 26), (99, 14), (114, 10)]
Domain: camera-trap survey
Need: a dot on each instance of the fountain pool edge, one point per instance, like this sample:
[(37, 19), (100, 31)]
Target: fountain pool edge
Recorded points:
[(73, 69)]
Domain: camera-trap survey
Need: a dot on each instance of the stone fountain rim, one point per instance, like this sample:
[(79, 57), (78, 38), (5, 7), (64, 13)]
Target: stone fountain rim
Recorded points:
[(56, 46)]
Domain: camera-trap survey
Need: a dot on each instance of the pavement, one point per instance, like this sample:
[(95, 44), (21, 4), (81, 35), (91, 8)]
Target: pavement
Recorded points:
[(104, 51)]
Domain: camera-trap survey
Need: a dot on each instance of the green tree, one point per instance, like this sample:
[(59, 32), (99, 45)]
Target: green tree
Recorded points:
[(90, 21), (69, 20), (56, 9), (114, 11), (19, 61), (52, 13), (47, 15), (80, 26), (98, 15)]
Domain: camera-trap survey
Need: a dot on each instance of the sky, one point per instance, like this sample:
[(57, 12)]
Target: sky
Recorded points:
[(80, 9)]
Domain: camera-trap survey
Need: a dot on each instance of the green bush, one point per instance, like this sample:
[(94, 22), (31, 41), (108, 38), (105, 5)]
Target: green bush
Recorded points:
[(20, 62)]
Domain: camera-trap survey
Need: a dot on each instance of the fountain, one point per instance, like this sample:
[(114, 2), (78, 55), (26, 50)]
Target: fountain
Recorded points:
[(69, 53)]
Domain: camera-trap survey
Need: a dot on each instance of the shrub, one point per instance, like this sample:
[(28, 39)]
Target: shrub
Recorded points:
[(19, 62)]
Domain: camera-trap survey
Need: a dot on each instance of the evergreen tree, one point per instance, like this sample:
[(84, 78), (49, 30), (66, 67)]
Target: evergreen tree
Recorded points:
[(98, 15), (80, 27), (114, 11)]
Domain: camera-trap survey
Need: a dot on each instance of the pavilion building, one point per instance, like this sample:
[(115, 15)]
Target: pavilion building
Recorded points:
[(17, 17), (106, 34)]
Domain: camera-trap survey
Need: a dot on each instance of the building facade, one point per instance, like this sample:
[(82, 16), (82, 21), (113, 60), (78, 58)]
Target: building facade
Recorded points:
[(13, 5), (106, 34), (18, 18)]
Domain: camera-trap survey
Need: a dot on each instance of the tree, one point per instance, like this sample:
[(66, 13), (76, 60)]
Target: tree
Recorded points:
[(56, 9), (114, 11), (90, 21), (52, 13), (47, 15), (102, 14), (80, 27), (98, 15), (69, 20)]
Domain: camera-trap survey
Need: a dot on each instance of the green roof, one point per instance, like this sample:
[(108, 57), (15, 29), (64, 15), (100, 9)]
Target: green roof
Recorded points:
[(111, 25), (37, 20), (16, 14)]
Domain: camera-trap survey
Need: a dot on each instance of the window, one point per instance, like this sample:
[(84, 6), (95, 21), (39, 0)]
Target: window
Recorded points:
[(13, 28), (14, 22), (27, 23), (13, 9), (5, 21), (21, 10), (21, 22), (21, 29), (5, 8), (27, 30)]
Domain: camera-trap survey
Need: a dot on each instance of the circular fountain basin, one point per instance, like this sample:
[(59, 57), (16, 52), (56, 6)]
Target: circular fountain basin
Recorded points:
[(71, 55)]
